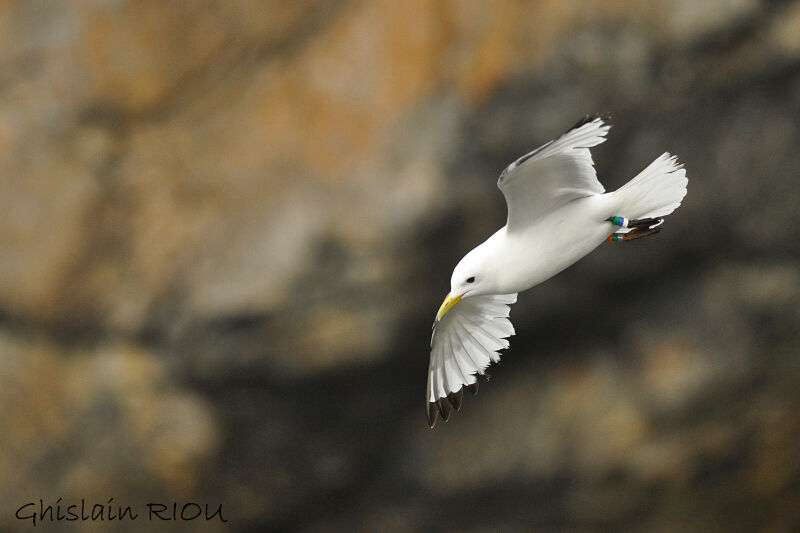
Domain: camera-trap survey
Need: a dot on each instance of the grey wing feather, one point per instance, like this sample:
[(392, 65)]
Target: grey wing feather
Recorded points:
[(553, 174)]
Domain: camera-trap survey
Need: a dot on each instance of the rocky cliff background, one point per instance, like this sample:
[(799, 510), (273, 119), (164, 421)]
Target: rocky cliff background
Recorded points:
[(225, 228)]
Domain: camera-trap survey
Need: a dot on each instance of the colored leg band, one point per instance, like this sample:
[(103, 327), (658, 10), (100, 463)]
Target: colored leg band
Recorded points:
[(614, 237), (620, 221)]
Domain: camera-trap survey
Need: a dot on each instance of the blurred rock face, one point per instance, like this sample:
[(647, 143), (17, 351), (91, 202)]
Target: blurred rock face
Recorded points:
[(226, 227)]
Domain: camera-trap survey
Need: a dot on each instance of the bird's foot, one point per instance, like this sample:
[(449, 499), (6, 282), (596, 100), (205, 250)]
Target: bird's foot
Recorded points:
[(637, 223), (642, 227)]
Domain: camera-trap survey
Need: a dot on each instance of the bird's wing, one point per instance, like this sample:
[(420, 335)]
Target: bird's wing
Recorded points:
[(465, 341), (553, 174)]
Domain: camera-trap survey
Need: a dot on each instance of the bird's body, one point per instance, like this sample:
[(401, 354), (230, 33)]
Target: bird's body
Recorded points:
[(524, 259), (558, 212)]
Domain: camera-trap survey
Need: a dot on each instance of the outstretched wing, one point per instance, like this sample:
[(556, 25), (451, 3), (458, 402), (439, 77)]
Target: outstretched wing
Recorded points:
[(464, 342), (554, 174)]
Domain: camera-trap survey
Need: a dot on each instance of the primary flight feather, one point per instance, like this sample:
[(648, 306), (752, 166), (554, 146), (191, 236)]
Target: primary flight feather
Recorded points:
[(557, 213)]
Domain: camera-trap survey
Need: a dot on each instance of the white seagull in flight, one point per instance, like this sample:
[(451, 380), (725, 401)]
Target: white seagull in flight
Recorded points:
[(557, 213)]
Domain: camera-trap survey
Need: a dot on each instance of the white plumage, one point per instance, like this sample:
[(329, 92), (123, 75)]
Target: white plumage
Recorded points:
[(552, 175), (557, 213), (467, 342)]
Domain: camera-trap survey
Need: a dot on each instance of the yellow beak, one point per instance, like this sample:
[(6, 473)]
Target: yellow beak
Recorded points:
[(447, 305)]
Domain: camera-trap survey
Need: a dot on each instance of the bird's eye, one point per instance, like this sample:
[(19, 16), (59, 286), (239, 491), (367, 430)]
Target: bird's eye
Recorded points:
[(471, 279)]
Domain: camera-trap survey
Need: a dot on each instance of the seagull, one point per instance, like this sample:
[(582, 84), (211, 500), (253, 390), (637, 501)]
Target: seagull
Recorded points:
[(558, 212)]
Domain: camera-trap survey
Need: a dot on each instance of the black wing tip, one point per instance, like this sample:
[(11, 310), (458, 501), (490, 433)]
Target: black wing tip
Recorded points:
[(433, 414), (445, 407), (604, 117), (455, 398)]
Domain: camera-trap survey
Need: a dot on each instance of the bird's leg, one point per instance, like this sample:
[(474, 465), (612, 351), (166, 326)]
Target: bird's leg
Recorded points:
[(642, 227), (619, 221)]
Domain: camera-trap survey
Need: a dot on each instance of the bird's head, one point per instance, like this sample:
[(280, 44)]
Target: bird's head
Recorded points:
[(469, 279)]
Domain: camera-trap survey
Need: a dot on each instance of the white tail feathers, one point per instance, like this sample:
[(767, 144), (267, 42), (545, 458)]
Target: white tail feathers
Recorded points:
[(656, 192)]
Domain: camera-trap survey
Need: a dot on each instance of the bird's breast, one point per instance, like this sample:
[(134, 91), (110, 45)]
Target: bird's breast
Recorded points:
[(549, 246)]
